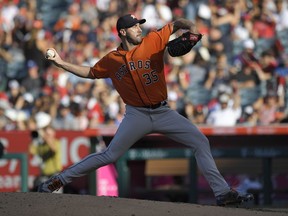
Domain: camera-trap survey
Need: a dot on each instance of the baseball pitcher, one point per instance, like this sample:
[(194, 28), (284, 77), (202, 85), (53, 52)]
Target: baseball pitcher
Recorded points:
[(136, 70)]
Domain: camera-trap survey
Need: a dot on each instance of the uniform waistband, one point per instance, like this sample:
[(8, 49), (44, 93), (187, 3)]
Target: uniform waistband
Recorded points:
[(155, 106)]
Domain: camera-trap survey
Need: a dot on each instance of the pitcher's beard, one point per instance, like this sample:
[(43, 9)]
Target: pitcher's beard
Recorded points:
[(133, 41)]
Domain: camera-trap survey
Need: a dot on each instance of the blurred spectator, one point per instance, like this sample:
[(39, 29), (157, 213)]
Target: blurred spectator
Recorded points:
[(241, 33), (73, 19), (109, 106), (164, 11), (195, 114), (33, 83), (158, 12), (175, 96), (89, 13), (28, 104), (268, 110), (200, 115), (189, 8), (8, 12), (47, 148), (266, 72), (20, 29), (56, 102), (225, 16), (80, 120), (50, 11), (15, 95), (227, 114), (223, 19), (192, 78), (15, 119), (188, 111), (281, 19), (149, 10), (247, 54), (33, 49), (282, 74), (263, 32), (5, 58), (64, 119), (247, 83), (57, 81), (4, 105), (172, 100), (47, 104), (95, 113), (85, 37), (249, 117), (218, 79), (281, 15), (243, 51), (172, 67), (102, 8), (216, 42), (14, 55)]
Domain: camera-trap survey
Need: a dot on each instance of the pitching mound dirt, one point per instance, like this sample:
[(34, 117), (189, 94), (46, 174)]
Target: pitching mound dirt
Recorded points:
[(12, 204)]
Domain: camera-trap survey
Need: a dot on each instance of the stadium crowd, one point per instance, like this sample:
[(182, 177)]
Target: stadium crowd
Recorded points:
[(237, 75)]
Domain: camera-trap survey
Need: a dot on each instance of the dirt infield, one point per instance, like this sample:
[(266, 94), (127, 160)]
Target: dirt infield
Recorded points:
[(12, 204)]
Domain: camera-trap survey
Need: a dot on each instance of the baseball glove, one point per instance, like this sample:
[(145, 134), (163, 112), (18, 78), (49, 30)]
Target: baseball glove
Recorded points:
[(183, 44)]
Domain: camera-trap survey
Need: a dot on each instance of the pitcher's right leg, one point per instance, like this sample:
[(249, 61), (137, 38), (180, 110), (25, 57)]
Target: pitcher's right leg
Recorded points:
[(128, 133)]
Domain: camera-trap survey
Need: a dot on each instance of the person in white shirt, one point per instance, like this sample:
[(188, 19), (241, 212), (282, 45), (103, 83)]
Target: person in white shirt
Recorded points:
[(159, 14), (227, 114)]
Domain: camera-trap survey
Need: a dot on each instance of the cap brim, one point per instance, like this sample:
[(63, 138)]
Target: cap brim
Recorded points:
[(142, 21), (134, 23)]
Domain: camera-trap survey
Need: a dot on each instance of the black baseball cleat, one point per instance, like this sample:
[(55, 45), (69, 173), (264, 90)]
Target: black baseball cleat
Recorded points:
[(233, 197), (52, 184)]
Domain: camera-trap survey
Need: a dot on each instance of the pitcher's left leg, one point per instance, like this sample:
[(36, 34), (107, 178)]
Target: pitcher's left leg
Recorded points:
[(180, 129)]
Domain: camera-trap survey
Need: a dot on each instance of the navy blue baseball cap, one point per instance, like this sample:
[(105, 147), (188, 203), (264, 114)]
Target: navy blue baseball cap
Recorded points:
[(128, 21)]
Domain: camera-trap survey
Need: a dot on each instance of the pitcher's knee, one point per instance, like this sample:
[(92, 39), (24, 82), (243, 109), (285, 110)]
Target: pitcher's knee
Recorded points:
[(202, 144), (202, 140), (205, 141)]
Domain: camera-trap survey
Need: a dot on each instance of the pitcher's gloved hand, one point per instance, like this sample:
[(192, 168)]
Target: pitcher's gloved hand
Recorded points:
[(183, 44)]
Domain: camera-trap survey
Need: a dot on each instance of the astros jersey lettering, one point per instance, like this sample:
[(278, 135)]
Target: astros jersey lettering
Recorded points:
[(138, 74)]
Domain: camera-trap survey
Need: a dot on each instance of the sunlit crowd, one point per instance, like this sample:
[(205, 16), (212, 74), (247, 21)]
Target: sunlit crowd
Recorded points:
[(237, 75)]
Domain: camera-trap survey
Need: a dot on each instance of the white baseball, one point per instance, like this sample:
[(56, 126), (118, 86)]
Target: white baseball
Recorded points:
[(50, 53)]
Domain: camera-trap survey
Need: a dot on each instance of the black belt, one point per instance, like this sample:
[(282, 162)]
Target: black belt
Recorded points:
[(155, 106)]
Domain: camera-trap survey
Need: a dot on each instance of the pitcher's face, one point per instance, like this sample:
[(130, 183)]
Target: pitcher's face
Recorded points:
[(134, 34)]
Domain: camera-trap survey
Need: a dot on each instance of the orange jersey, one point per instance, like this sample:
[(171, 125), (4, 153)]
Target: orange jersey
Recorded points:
[(138, 74)]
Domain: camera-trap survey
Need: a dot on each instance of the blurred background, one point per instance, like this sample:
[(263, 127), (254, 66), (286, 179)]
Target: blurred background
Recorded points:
[(236, 77)]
